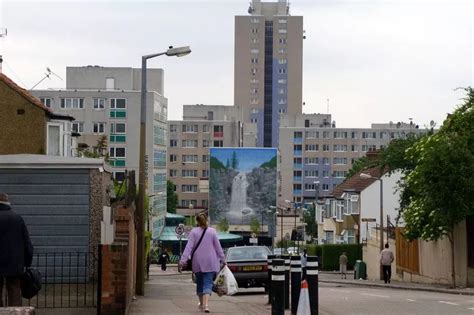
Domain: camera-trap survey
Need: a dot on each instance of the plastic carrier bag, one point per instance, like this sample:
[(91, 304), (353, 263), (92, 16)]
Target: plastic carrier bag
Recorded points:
[(225, 283)]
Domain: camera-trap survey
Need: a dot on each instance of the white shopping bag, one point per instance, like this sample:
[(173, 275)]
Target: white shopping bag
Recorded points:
[(225, 283)]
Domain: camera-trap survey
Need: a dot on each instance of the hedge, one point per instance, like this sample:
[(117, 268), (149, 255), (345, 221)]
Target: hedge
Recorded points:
[(329, 254)]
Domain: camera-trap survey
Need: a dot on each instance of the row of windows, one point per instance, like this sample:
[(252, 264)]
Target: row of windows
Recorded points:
[(336, 147), (186, 203), (257, 20), (349, 134), (99, 127), (312, 187), (195, 128), (194, 143), (324, 160), (189, 173), (78, 103), (189, 158)]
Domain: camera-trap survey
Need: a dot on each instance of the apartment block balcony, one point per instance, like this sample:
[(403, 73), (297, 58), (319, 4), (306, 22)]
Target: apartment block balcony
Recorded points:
[(297, 178), (297, 192), (297, 166), (218, 134), (297, 140), (297, 152)]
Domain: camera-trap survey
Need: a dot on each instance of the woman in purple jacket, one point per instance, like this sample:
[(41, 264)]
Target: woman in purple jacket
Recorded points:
[(207, 259)]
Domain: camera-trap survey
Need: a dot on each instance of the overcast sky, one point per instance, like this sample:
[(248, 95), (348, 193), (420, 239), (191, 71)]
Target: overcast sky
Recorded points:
[(376, 60)]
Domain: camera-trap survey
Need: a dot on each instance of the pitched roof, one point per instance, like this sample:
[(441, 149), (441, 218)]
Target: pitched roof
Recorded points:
[(356, 183), (24, 93)]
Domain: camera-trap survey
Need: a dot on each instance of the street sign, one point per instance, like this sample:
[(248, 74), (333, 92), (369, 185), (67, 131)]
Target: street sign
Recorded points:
[(287, 236), (368, 219), (253, 240)]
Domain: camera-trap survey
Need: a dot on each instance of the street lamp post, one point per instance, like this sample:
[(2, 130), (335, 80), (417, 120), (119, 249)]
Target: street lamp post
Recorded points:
[(364, 175), (140, 213)]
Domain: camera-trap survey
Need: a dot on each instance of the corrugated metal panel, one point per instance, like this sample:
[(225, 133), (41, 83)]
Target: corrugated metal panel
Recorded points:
[(54, 204)]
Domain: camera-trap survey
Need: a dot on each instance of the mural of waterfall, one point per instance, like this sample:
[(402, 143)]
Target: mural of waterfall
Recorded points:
[(242, 184)]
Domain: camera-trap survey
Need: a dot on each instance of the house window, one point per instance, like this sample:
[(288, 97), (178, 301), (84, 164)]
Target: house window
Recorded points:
[(354, 148), (205, 143), (254, 60), (205, 128), (204, 203), (78, 127), (281, 110), (186, 203), (325, 147), (99, 103), (173, 158), (205, 173), (190, 128), (340, 161), (118, 103), (173, 143), (310, 187), (312, 147), (99, 127), (218, 143), (354, 134), (282, 61), (72, 103), (48, 102), (281, 70), (339, 174), (326, 161), (312, 134), (189, 143), (173, 173), (190, 158), (340, 148), (282, 40), (116, 152), (311, 160), (326, 135), (340, 134), (326, 174), (205, 158), (325, 187), (117, 128), (329, 236), (312, 173)]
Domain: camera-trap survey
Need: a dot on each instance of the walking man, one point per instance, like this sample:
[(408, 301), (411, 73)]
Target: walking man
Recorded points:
[(16, 252), (164, 259), (343, 265), (386, 259)]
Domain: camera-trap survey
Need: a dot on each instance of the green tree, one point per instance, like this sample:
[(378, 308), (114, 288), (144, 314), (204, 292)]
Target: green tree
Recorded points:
[(254, 225), (223, 225), (171, 197), (438, 193), (309, 218), (98, 151)]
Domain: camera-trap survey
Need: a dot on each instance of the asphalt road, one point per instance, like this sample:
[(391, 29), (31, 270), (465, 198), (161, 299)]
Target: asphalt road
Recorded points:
[(346, 299)]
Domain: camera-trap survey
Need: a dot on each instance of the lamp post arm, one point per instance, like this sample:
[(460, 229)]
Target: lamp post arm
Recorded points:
[(153, 55)]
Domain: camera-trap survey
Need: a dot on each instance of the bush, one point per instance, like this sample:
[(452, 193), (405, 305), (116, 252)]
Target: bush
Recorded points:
[(329, 254)]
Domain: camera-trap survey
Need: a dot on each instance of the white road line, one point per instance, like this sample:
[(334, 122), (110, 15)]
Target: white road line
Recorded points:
[(375, 295), (449, 303), (341, 291), (471, 308), (410, 300)]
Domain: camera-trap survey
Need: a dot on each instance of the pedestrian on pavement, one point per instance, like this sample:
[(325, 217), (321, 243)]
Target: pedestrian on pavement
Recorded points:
[(206, 258), (386, 260), (343, 265), (16, 252), (304, 260), (164, 259)]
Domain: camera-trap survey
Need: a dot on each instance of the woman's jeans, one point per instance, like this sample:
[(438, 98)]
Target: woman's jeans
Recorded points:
[(204, 282)]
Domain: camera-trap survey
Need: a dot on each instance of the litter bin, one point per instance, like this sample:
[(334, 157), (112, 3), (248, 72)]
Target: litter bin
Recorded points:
[(360, 270)]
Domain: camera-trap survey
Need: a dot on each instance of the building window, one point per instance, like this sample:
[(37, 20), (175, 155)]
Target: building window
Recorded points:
[(205, 158), (189, 173), (254, 101), (205, 173), (340, 161), (281, 91), (325, 174), (253, 91), (173, 128), (312, 173), (311, 147), (173, 158), (281, 70), (118, 103), (189, 143), (281, 110), (205, 128), (282, 81), (254, 71), (254, 60), (99, 127), (255, 20), (311, 160), (325, 147), (340, 134), (186, 203), (326, 135), (205, 143), (282, 61), (325, 187), (282, 31), (326, 161), (116, 128), (339, 174), (189, 158), (312, 134), (218, 144), (369, 135), (72, 103), (254, 30), (119, 176), (282, 50), (254, 81), (48, 102), (189, 188), (190, 128), (173, 143), (282, 101), (78, 127), (254, 51), (282, 21), (253, 120), (254, 40), (310, 187), (173, 173), (340, 148), (115, 152), (204, 203), (99, 103), (354, 134), (219, 131)]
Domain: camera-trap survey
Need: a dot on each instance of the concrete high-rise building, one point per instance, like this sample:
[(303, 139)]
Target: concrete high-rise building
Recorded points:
[(202, 127), (268, 67), (316, 156), (106, 102)]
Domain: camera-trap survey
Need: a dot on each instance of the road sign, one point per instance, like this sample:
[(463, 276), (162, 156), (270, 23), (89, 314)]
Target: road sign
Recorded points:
[(368, 219), (287, 236), (179, 230), (253, 240)]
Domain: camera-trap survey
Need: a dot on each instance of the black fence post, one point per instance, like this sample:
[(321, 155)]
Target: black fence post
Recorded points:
[(278, 284), (269, 281), (313, 286), (295, 282), (287, 280)]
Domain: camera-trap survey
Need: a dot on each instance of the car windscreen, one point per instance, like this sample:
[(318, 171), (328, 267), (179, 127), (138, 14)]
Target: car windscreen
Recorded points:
[(247, 253)]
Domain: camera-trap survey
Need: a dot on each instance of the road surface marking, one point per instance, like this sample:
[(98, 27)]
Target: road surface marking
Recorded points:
[(410, 300), (341, 291), (471, 308), (375, 295), (449, 303)]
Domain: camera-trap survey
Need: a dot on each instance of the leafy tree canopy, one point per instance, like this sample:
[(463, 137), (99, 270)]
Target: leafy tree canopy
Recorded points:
[(254, 225), (171, 197)]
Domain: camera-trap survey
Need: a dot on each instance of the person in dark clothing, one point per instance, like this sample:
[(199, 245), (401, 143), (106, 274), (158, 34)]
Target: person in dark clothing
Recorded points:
[(164, 259), (16, 252)]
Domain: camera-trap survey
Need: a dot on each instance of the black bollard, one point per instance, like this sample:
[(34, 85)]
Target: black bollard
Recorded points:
[(269, 280), (295, 270), (287, 280), (313, 286), (278, 284)]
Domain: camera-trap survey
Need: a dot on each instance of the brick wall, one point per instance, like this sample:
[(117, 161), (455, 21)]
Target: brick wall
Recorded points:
[(118, 265), (25, 133)]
